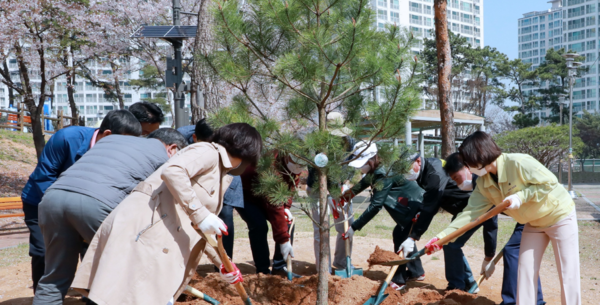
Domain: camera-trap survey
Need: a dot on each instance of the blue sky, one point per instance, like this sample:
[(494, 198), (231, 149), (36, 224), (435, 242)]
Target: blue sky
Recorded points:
[(500, 22)]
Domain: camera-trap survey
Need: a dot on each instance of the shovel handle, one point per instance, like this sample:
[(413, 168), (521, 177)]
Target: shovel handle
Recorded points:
[(393, 270), (347, 240), (229, 268), (477, 221)]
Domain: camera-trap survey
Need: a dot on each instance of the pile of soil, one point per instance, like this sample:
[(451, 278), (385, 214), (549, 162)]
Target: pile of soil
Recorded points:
[(269, 289), (381, 256)]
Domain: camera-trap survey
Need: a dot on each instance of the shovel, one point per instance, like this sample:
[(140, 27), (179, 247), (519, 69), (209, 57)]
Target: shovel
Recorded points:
[(481, 277), (479, 220), (380, 297), (194, 292), (290, 274), (227, 263), (350, 270)]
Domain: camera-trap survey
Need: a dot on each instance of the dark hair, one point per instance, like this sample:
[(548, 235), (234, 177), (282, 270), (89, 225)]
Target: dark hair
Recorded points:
[(121, 122), (169, 136), (146, 112), (479, 149), (240, 140), (454, 163), (203, 131)]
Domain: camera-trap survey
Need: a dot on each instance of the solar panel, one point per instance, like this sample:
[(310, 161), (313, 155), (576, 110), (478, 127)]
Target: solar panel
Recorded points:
[(166, 31)]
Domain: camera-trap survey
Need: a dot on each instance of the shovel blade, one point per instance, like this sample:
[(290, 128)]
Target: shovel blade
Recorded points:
[(373, 300)]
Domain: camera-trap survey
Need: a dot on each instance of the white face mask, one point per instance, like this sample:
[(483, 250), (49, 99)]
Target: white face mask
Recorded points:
[(466, 185), (411, 175), (365, 169), (478, 172), (294, 168)]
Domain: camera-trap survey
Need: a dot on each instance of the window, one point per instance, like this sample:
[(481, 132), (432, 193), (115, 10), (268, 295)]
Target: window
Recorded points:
[(590, 33), (590, 45), (542, 18), (90, 98), (535, 44), (542, 27), (466, 6), (590, 93), (91, 109), (542, 43), (415, 7), (414, 19), (542, 35), (535, 52), (395, 17), (382, 3), (428, 21), (535, 36), (590, 8), (590, 57), (381, 26), (395, 4), (534, 20), (382, 14), (590, 20), (416, 31), (477, 21), (427, 9), (145, 96), (542, 52), (108, 108)]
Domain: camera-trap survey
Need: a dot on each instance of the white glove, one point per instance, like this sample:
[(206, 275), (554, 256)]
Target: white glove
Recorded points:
[(348, 233), (233, 277), (286, 249), (515, 202), (407, 247), (212, 224), (288, 215), (487, 268)]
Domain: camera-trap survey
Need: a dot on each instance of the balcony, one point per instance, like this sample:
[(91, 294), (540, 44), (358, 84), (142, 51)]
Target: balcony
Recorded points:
[(416, 21), (416, 9)]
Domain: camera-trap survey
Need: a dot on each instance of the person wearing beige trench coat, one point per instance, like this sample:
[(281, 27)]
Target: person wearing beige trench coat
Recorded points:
[(147, 249)]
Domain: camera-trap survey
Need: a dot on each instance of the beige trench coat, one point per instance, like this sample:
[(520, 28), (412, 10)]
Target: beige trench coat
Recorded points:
[(147, 250)]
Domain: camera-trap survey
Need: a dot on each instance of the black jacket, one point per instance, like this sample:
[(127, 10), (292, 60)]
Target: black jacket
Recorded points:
[(440, 192), (399, 197)]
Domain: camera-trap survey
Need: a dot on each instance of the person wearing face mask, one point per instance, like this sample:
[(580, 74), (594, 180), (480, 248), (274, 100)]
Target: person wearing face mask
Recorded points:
[(457, 267), (148, 249), (74, 206), (467, 181), (400, 198), (441, 192), (258, 209), (535, 199)]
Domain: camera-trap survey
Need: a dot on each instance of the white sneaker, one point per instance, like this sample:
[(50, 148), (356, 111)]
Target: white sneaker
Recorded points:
[(397, 287)]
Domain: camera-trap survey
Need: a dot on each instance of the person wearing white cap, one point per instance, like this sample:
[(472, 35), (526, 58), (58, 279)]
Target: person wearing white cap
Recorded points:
[(400, 197), (335, 125)]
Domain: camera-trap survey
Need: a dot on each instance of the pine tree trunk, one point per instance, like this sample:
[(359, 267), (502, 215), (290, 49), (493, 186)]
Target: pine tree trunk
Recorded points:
[(323, 272), (444, 70), (323, 283)]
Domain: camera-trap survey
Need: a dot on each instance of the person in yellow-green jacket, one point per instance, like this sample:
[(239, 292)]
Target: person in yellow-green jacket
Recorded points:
[(536, 200)]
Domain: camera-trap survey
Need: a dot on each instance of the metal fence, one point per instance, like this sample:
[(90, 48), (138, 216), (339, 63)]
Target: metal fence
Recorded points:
[(579, 165)]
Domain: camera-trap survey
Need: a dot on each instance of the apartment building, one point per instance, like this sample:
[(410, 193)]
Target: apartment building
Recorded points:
[(569, 24), (93, 103), (464, 18)]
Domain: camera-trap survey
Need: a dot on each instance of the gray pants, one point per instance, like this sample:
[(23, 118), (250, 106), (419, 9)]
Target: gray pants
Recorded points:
[(339, 258), (66, 219)]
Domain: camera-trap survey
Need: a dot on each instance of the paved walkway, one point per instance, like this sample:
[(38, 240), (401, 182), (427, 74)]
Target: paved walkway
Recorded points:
[(588, 202)]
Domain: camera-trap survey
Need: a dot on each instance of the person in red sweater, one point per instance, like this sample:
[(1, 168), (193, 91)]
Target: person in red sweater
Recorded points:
[(258, 210)]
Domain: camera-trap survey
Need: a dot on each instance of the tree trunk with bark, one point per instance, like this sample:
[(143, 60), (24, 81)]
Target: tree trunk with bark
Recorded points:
[(444, 71), (71, 96), (35, 110), (6, 75), (323, 276), (114, 68)]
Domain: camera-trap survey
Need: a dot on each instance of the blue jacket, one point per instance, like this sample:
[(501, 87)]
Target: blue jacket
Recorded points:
[(188, 132), (62, 150)]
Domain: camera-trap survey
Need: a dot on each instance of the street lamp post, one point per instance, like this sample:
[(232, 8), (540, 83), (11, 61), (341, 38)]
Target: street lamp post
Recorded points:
[(572, 68), (561, 100)]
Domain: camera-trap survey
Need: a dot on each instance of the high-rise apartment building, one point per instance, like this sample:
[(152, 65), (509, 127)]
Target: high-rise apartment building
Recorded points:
[(568, 24), (464, 17)]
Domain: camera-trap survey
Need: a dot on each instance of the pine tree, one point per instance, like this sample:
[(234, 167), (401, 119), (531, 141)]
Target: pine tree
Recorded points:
[(292, 63)]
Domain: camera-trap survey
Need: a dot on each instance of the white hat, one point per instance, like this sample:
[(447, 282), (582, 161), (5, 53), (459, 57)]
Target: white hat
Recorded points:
[(365, 154), (336, 120)]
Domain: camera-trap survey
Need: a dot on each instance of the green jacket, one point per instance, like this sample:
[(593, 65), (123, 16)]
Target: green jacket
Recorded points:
[(545, 201), (400, 197)]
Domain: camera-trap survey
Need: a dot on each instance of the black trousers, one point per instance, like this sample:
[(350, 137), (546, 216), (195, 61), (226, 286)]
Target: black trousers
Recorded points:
[(256, 219), (37, 250), (412, 269)]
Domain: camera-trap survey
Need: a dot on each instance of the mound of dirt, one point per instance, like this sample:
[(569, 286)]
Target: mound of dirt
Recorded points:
[(381, 256), (269, 289)]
